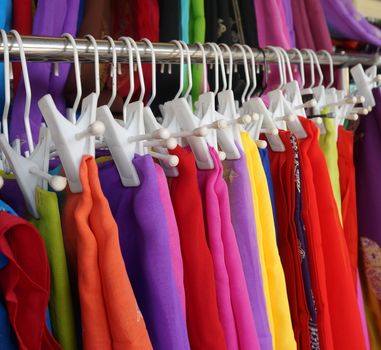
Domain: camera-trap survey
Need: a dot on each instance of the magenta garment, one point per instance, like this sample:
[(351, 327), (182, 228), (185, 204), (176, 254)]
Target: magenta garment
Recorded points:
[(52, 18), (173, 234), (310, 25), (232, 295), (344, 20)]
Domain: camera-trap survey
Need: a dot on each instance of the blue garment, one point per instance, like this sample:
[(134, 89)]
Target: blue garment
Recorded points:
[(5, 23), (184, 21), (264, 153)]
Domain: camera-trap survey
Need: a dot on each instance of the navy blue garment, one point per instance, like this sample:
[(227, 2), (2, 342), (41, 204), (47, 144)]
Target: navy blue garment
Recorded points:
[(264, 153)]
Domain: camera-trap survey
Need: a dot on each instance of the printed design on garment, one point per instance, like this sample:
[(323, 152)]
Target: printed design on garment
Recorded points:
[(229, 174), (372, 262), (221, 27)]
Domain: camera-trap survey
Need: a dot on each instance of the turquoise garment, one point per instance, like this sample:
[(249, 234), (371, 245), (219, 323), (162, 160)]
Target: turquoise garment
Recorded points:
[(6, 24), (184, 23)]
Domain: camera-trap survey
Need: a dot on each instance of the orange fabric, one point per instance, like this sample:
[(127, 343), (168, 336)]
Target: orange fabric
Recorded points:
[(109, 312)]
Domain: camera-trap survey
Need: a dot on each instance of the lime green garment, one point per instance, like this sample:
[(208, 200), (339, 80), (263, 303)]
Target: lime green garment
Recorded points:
[(197, 28), (328, 144), (60, 303), (274, 282)]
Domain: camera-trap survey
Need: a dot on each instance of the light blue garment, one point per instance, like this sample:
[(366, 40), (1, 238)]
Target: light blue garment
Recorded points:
[(184, 23), (5, 23)]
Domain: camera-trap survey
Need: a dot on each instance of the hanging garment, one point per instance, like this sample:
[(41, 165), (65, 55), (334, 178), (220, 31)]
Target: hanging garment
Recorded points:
[(185, 8), (174, 238), (60, 301), (204, 327), (328, 144), (145, 246), (345, 21), (24, 282), (287, 7), (367, 164), (11, 193), (231, 293), (110, 315), (291, 244), (243, 221), (342, 300), (278, 309)]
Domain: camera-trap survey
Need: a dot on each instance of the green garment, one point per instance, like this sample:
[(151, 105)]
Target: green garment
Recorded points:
[(196, 34), (328, 144), (60, 303)]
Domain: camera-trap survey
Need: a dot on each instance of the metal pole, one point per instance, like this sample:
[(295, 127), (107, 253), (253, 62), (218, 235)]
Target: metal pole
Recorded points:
[(50, 49)]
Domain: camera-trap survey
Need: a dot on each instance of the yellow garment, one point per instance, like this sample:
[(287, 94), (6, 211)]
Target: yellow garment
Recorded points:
[(328, 144), (272, 271)]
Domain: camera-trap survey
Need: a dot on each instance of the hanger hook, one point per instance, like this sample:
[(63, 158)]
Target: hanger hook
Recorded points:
[(285, 55), (77, 71), (96, 63), (189, 67), (179, 46), (7, 84), (265, 78), (283, 66), (216, 73), (204, 69), (331, 72), (153, 64), (301, 65), (230, 66), (276, 52), (254, 76), (312, 67), (222, 65), (114, 73), (245, 66), (28, 93), (131, 74), (140, 69), (321, 76)]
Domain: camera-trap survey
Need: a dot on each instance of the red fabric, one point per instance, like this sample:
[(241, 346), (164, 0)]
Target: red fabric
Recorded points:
[(25, 282), (22, 22), (346, 325), (348, 195), (137, 19), (282, 170), (204, 328)]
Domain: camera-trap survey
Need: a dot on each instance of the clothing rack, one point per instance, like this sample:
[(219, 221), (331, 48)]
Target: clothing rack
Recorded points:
[(51, 49)]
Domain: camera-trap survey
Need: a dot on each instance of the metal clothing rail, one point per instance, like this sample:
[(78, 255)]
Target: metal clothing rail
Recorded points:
[(49, 49)]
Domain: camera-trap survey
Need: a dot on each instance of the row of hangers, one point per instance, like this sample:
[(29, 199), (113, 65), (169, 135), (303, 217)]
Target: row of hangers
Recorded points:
[(70, 137)]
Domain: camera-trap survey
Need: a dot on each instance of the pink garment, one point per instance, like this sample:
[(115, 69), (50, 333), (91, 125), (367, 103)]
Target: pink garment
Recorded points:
[(360, 301), (174, 237), (232, 295)]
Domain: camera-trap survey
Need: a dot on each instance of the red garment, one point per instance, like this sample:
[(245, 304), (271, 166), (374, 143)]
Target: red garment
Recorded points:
[(204, 327), (282, 170), (348, 195), (22, 22), (25, 282), (346, 325)]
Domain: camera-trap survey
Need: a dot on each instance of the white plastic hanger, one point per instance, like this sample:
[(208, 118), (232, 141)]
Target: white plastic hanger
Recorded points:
[(96, 64), (180, 111), (75, 139), (113, 71), (72, 112), (366, 81)]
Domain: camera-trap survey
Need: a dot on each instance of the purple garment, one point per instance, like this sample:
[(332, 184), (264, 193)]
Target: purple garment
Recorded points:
[(11, 194), (287, 8), (241, 208), (52, 18), (144, 242), (232, 295), (344, 20)]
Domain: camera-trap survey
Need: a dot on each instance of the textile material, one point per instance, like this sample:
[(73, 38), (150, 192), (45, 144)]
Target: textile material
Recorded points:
[(144, 242), (291, 243), (60, 301), (24, 282), (328, 144), (110, 316), (241, 207), (342, 300), (204, 327), (173, 234), (367, 163), (274, 282), (232, 296)]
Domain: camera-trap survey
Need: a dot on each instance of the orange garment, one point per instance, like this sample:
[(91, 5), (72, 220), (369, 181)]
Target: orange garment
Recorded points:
[(109, 312)]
